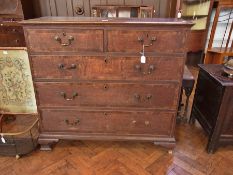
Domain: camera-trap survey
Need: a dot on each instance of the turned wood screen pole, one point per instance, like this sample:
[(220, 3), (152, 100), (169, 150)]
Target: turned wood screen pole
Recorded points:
[(229, 37), (223, 39), (214, 27), (231, 46)]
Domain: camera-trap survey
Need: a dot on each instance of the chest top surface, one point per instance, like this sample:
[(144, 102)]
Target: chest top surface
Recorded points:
[(110, 21)]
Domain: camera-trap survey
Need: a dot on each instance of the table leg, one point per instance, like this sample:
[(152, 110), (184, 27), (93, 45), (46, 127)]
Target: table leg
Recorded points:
[(188, 92)]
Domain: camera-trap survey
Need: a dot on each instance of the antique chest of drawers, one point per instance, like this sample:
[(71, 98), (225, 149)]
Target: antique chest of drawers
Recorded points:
[(92, 82)]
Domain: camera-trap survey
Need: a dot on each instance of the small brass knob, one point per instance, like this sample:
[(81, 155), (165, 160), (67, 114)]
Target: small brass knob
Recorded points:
[(147, 123), (149, 96), (138, 67), (137, 96)]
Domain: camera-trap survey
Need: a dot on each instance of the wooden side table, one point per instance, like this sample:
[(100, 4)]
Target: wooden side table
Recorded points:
[(213, 106), (187, 86)]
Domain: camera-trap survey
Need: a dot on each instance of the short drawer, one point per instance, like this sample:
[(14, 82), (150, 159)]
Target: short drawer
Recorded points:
[(107, 68), (12, 29), (63, 40), (131, 41), (108, 122), (12, 40), (162, 96)]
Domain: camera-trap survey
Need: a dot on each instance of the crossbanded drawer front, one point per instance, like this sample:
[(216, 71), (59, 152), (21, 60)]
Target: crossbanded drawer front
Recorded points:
[(77, 68), (132, 41), (162, 96), (65, 40), (107, 68), (108, 122)]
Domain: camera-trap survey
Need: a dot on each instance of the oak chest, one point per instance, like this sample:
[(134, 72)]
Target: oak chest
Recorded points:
[(108, 79)]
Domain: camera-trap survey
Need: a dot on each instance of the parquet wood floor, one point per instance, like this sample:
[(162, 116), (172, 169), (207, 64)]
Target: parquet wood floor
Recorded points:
[(126, 158)]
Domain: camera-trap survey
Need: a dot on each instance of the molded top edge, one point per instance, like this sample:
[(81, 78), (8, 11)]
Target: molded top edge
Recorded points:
[(94, 20)]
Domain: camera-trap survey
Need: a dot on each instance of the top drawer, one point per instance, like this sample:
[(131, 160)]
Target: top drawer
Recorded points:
[(132, 41), (63, 40)]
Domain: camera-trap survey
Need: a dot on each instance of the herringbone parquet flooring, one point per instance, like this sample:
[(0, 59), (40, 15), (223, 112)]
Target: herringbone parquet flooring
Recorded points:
[(126, 158)]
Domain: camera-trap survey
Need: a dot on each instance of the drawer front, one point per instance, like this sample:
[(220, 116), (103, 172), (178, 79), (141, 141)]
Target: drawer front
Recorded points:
[(58, 67), (155, 68), (108, 122), (12, 40), (77, 68), (162, 96), (131, 41), (62, 40), (12, 36), (107, 68), (11, 30)]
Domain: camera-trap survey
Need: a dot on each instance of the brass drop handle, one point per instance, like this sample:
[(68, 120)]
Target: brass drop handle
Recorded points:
[(148, 96), (151, 69), (74, 123), (151, 41), (137, 96), (79, 10), (134, 121), (59, 40), (138, 68), (63, 67), (147, 123), (63, 94)]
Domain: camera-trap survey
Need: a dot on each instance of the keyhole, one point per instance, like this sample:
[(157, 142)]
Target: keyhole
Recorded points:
[(105, 60), (105, 87), (63, 33), (147, 35)]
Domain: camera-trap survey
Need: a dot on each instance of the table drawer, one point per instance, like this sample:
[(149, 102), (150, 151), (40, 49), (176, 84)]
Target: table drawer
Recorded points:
[(107, 68), (162, 96), (108, 122), (65, 40), (158, 41)]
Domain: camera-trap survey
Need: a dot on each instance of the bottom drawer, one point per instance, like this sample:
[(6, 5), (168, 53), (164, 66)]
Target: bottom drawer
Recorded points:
[(108, 122)]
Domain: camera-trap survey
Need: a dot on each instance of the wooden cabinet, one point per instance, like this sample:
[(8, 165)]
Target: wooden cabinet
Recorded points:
[(11, 12), (213, 105), (91, 83)]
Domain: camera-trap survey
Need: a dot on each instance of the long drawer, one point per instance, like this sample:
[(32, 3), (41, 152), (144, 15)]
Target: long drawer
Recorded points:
[(65, 40), (108, 122), (131, 41), (106, 68), (162, 96)]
